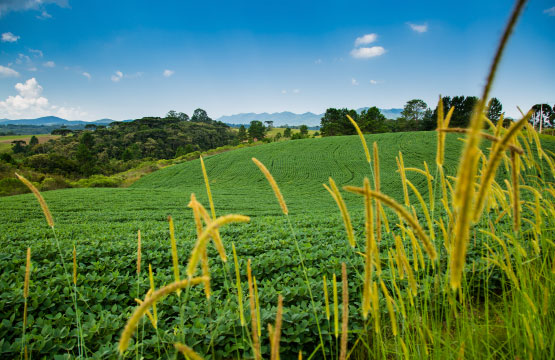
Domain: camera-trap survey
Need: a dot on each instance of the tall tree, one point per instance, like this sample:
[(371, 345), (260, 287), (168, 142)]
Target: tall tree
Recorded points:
[(199, 115), (287, 132), (494, 110), (414, 110), (371, 121), (182, 116), (303, 130), (335, 122), (256, 130), (242, 135), (464, 105)]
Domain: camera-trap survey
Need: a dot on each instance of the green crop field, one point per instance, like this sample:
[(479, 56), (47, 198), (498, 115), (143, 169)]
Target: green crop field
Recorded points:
[(102, 224)]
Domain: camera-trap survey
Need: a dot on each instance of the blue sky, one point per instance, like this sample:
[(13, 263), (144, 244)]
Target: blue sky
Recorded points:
[(127, 59)]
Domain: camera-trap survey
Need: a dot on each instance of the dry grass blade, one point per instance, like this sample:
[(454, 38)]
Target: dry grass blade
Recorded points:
[(277, 330), (362, 140), (377, 188), (345, 313), (493, 163), (152, 289), (515, 170), (273, 184), (401, 166), (464, 190), (27, 274), (336, 195), (203, 238), (198, 212), (370, 244), (187, 351), (402, 213), (39, 197), (138, 252), (207, 183), (147, 303), (254, 322)]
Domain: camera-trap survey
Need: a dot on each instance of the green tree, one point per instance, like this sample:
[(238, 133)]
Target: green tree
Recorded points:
[(494, 110), (335, 122), (257, 130), (414, 110), (242, 134), (199, 115), (278, 136), (303, 130), (182, 116), (287, 132), (18, 146), (464, 105), (34, 141), (172, 114), (371, 121)]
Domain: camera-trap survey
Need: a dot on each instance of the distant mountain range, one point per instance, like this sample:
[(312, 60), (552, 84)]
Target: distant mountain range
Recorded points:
[(53, 120), (289, 118), (279, 119)]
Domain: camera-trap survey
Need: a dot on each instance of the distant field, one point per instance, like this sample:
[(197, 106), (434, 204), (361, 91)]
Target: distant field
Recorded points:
[(273, 132), (6, 141)]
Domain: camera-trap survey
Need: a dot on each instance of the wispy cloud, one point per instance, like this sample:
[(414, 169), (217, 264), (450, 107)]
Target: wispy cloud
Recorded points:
[(296, 91), (366, 39), (373, 82), (318, 61), (550, 11), (22, 58), (354, 81), (49, 64), (86, 74), (9, 37), (118, 75), (36, 53), (7, 72), (284, 91), (367, 52), (418, 28), (168, 73), (7, 6)]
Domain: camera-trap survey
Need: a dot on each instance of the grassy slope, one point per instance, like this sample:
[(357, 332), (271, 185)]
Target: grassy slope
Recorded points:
[(103, 224)]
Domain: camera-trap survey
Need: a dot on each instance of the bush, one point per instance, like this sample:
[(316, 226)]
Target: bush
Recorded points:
[(54, 183), (98, 181), (12, 186)]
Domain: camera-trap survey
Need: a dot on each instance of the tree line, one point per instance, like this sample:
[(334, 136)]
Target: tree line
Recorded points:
[(417, 116)]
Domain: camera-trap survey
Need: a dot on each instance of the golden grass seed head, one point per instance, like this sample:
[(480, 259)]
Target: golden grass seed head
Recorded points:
[(27, 274), (273, 184), (187, 351), (362, 140), (39, 197)]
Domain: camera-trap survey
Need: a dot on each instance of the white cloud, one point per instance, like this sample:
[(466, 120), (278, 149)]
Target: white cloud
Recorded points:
[(373, 82), (284, 91), (7, 72), (32, 68), (318, 61), (44, 15), (22, 5), (37, 53), (9, 37), (21, 58), (168, 73), (354, 81), (367, 52), (366, 39), (296, 91), (87, 75), (419, 28), (30, 103), (550, 11), (49, 64), (117, 76)]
